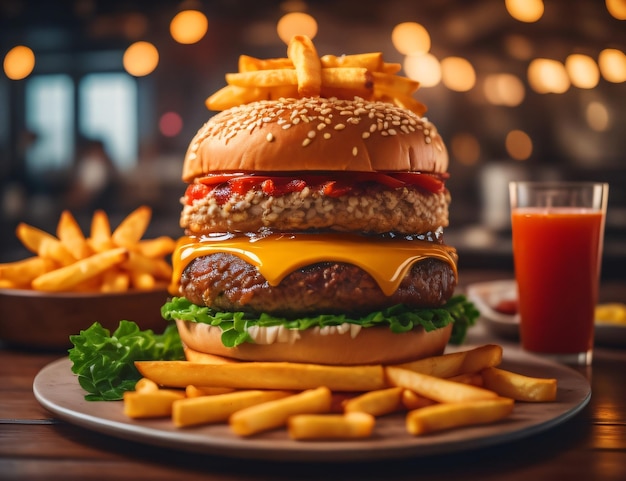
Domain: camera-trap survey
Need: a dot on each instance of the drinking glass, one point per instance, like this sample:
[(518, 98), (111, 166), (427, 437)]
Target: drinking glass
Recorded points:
[(558, 231)]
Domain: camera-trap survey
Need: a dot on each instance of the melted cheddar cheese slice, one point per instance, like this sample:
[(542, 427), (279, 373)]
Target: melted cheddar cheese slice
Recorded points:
[(277, 255)]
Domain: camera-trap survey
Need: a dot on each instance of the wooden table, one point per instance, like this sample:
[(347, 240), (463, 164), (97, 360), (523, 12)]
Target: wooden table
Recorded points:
[(590, 446)]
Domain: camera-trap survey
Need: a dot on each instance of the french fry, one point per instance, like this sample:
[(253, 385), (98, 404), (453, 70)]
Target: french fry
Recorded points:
[(262, 78), (411, 400), (376, 403), (219, 407), (233, 95), (100, 234), (439, 417), (264, 375), (71, 236), (282, 91), (249, 64), (115, 280), (372, 61), (331, 426), (22, 272), (51, 248), (156, 248), (519, 387), (146, 385), (392, 67), (273, 414), (43, 244), (354, 78), (150, 404), (195, 391), (130, 231), (204, 357), (473, 378), (453, 364), (306, 62), (67, 277), (409, 103), (393, 85), (142, 281), (158, 268), (437, 389)]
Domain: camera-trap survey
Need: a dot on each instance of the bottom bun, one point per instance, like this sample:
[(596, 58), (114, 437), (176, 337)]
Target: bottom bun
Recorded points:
[(372, 345)]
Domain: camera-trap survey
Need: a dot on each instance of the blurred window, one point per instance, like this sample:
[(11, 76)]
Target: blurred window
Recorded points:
[(50, 114), (108, 112)]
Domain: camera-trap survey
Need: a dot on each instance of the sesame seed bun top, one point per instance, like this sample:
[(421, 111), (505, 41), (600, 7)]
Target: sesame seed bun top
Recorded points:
[(315, 134)]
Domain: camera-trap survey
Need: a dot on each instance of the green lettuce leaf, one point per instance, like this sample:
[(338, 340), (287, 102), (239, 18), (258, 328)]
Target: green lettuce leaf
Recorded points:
[(398, 318), (104, 361)]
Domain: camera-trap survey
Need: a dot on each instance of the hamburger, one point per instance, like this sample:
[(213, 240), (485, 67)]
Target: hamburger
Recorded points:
[(314, 233)]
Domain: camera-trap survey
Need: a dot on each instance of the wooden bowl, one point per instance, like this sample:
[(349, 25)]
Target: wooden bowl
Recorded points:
[(45, 320)]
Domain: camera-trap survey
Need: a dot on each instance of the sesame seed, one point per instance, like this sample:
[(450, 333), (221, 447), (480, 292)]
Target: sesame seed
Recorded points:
[(306, 142), (311, 134), (327, 135), (340, 126), (286, 126), (392, 131), (365, 135), (355, 151), (269, 137), (321, 126)]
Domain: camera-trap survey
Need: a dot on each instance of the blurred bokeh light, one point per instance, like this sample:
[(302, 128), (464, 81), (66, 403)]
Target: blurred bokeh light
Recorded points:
[(189, 26), (296, 23), (19, 62), (141, 58)]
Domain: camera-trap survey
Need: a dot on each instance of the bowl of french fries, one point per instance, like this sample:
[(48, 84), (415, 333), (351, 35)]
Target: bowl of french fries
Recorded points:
[(74, 279)]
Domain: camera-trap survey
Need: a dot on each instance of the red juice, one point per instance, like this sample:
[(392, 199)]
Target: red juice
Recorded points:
[(557, 260)]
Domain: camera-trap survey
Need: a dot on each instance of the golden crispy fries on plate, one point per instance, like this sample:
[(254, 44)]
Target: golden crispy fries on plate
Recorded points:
[(150, 404), (315, 402), (376, 403), (411, 400), (263, 375), (219, 407), (331, 426), (273, 414), (519, 387), (453, 364), (446, 416), (437, 389), (195, 391)]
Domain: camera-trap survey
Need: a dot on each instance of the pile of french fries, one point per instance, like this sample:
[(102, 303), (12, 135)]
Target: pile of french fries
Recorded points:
[(304, 74), (106, 261), (333, 402)]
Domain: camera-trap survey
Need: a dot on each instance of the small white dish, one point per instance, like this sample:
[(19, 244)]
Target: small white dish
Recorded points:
[(487, 295)]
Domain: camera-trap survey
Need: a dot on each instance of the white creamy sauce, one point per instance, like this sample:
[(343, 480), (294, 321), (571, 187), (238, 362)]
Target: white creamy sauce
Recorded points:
[(270, 335)]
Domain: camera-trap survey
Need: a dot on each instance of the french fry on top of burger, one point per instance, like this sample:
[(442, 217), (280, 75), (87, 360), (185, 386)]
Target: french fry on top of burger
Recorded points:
[(366, 75), (106, 261)]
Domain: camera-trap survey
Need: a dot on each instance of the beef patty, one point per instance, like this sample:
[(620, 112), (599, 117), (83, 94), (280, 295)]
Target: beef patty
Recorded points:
[(226, 282)]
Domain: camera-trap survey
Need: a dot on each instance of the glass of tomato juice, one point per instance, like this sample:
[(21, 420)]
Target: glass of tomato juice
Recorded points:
[(558, 232)]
